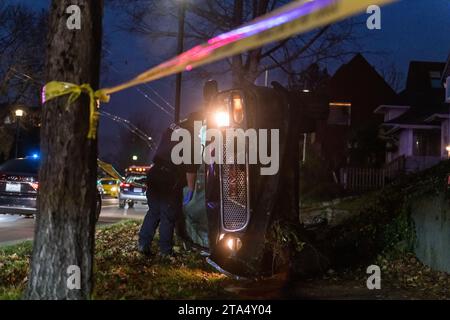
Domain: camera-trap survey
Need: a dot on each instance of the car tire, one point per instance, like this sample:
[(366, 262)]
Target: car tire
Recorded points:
[(121, 204), (131, 204)]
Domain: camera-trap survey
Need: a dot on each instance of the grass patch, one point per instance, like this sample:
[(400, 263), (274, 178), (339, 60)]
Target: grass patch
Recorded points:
[(14, 263), (122, 273)]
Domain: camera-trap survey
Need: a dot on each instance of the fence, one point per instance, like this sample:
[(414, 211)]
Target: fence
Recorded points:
[(366, 179)]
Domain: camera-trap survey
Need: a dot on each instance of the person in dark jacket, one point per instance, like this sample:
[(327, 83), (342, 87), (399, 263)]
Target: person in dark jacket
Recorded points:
[(165, 182)]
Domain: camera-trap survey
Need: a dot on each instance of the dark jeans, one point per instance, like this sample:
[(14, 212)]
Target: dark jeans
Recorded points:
[(162, 211)]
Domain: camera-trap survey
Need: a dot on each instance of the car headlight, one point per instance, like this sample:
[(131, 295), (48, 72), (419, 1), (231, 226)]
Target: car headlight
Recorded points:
[(238, 109), (222, 119), (234, 244)]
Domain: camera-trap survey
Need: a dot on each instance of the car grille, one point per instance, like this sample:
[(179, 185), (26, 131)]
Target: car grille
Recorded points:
[(235, 213)]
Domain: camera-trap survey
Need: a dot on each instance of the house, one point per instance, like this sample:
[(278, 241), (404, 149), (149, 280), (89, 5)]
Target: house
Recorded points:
[(418, 122), (347, 137), (446, 72), (446, 80)]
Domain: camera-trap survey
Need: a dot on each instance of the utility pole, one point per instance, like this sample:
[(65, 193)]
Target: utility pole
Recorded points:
[(180, 48), (19, 115)]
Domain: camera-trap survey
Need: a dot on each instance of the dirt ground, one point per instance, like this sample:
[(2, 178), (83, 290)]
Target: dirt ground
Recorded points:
[(327, 288)]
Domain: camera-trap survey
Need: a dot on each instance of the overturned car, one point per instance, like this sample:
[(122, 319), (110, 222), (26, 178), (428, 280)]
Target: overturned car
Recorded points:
[(238, 199)]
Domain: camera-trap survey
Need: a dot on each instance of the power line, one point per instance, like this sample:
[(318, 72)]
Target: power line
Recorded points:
[(159, 96), (18, 75), (131, 127), (124, 122), (153, 101), (27, 77)]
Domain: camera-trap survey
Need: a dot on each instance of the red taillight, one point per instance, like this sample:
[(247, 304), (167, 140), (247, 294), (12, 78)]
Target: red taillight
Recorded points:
[(34, 185), (124, 185)]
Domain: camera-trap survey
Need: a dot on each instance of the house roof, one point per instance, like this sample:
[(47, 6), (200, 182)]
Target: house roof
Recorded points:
[(358, 75), (383, 108), (423, 94), (436, 117), (418, 114), (420, 85)]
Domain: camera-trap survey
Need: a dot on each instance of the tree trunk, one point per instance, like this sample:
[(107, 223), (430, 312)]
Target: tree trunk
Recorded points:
[(237, 60), (246, 72), (64, 234)]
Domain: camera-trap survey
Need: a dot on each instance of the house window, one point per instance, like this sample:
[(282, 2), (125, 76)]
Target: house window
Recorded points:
[(435, 78), (340, 113), (427, 143)]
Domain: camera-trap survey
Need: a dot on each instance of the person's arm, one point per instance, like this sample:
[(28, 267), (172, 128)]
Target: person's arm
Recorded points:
[(191, 178)]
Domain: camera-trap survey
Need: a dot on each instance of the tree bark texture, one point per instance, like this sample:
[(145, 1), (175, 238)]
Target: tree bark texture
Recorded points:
[(64, 234), (245, 67)]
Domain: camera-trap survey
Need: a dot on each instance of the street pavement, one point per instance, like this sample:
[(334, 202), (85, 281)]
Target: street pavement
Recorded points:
[(14, 229)]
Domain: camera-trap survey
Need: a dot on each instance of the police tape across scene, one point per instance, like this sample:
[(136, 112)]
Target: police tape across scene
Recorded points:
[(294, 18)]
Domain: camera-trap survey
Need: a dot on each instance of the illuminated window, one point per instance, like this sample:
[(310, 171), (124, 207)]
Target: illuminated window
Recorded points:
[(340, 113)]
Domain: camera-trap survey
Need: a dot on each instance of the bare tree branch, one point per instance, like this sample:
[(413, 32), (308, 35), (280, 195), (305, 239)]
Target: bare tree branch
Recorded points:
[(22, 50), (207, 18)]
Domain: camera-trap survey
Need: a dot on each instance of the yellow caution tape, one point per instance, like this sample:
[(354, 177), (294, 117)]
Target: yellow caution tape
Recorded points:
[(296, 17), (56, 89), (224, 46)]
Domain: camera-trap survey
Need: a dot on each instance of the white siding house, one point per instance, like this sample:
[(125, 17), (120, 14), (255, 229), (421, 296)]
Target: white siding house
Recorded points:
[(419, 122)]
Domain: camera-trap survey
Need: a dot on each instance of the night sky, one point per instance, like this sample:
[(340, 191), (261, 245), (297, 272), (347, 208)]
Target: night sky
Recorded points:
[(411, 30)]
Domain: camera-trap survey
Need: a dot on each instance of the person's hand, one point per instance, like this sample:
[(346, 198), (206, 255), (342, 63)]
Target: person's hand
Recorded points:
[(188, 197)]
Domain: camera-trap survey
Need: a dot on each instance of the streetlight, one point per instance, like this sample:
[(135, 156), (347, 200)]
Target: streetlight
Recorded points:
[(180, 48), (19, 114), (135, 158)]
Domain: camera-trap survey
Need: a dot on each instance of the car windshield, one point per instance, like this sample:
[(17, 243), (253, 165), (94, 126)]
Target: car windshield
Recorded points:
[(108, 182), (26, 166), (138, 179)]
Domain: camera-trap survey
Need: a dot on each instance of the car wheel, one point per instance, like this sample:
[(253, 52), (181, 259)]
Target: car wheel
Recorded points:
[(121, 204), (131, 204)]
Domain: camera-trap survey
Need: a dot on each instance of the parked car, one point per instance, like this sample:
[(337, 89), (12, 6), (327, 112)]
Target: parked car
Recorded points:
[(110, 186), (134, 188), (19, 187)]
